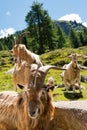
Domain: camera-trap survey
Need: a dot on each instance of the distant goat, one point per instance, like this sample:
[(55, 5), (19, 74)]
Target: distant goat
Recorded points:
[(21, 53), (50, 83), (71, 75)]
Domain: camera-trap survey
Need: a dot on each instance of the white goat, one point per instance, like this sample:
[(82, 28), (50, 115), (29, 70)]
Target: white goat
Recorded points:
[(21, 53), (71, 75)]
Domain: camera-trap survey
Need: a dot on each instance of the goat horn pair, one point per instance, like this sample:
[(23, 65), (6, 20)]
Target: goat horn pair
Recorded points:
[(20, 37), (41, 73)]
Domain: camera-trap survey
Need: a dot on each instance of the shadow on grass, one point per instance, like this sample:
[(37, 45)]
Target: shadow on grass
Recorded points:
[(72, 96)]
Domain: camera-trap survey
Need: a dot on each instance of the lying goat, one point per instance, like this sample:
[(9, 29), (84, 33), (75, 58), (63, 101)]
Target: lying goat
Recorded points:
[(30, 110), (21, 53), (71, 75)]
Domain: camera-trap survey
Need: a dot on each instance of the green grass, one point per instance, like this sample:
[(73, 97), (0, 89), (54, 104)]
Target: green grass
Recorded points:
[(58, 58), (60, 93)]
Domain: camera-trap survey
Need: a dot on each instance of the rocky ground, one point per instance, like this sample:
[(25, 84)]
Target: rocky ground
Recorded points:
[(69, 115)]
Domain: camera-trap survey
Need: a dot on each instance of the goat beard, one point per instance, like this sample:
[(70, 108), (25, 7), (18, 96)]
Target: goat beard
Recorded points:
[(46, 115), (35, 122)]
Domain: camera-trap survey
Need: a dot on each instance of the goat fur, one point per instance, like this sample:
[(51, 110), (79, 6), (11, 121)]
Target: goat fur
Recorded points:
[(29, 110)]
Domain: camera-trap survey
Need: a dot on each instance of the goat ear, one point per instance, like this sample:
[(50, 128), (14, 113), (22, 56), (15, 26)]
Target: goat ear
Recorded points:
[(11, 51), (78, 55), (50, 89), (70, 56)]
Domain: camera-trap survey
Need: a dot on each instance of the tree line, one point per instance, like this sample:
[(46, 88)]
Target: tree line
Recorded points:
[(44, 34)]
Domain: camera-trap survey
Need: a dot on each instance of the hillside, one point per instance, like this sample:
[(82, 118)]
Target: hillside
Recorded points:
[(67, 25), (58, 58)]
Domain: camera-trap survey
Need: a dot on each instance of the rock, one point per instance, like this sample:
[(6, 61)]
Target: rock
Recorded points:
[(69, 115)]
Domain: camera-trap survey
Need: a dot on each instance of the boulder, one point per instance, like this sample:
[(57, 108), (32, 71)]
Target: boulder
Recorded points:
[(69, 115)]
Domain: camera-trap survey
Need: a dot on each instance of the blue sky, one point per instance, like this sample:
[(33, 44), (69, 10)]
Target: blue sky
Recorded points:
[(13, 12)]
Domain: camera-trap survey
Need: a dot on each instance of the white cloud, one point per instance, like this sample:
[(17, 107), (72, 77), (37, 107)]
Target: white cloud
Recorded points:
[(8, 13), (71, 17), (6, 32), (85, 24)]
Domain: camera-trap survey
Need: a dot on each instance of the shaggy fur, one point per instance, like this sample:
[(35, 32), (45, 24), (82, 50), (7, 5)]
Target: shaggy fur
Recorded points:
[(29, 110)]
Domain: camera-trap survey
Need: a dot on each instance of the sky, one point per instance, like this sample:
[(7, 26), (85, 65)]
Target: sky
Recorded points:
[(13, 13)]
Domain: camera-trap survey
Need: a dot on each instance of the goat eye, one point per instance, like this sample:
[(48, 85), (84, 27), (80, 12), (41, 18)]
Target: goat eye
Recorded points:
[(43, 93)]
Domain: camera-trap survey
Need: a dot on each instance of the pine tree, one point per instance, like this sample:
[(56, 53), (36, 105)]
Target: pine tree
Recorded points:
[(40, 26), (73, 39), (61, 38)]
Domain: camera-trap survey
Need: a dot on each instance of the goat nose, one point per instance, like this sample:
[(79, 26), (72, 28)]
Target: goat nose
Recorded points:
[(34, 113)]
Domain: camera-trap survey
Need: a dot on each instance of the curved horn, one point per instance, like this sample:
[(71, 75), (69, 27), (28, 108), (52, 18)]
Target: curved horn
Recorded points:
[(20, 37), (46, 68), (42, 72)]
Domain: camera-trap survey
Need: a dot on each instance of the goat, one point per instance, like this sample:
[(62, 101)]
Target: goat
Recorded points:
[(50, 83), (71, 75), (31, 109), (21, 53)]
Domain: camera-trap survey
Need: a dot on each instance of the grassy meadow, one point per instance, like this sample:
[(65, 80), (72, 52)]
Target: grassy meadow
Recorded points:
[(58, 58)]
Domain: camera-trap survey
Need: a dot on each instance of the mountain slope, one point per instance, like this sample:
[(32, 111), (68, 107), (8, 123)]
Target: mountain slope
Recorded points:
[(67, 25)]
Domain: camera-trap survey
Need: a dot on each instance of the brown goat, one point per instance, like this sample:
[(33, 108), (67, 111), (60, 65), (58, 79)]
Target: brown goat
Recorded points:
[(30, 110), (21, 53)]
